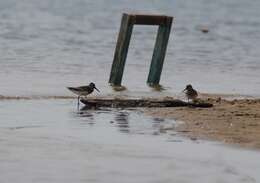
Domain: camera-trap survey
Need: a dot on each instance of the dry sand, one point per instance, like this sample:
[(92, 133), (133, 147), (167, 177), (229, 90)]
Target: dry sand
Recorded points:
[(235, 122)]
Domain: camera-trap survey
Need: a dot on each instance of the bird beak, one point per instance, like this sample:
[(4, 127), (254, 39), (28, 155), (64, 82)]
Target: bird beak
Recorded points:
[(97, 89), (184, 90)]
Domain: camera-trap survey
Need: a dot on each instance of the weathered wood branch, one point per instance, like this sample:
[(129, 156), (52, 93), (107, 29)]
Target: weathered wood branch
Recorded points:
[(123, 103)]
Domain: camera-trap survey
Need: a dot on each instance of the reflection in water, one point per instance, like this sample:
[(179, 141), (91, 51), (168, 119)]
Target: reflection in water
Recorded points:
[(86, 107), (87, 116), (157, 122), (122, 120), (82, 153), (104, 111)]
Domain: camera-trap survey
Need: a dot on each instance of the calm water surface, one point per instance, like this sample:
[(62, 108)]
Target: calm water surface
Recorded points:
[(48, 45), (49, 141)]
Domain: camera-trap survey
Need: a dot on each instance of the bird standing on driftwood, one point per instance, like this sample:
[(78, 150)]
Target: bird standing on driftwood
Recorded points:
[(190, 92), (83, 90)]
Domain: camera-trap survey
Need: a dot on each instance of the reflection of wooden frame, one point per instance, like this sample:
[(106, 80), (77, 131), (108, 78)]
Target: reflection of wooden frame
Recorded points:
[(127, 23)]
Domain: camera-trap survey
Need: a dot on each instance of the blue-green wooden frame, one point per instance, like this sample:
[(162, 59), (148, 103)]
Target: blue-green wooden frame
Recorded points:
[(127, 23)]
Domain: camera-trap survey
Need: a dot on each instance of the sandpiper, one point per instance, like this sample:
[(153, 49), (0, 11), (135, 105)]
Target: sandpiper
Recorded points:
[(190, 92), (83, 90)]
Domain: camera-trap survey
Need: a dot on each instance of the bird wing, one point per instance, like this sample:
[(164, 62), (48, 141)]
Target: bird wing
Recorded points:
[(83, 88)]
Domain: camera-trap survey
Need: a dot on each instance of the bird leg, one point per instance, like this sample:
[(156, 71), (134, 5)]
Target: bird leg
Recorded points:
[(78, 101)]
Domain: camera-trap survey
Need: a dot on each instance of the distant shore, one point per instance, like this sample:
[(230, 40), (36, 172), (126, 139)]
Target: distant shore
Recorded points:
[(230, 121)]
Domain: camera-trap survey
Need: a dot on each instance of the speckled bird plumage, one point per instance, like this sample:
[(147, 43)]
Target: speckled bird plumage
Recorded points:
[(83, 90), (190, 92)]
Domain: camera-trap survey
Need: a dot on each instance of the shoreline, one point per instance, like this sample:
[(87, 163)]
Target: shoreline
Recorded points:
[(234, 121)]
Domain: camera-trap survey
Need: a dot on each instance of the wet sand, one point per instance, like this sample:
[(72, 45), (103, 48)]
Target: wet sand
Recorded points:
[(229, 121)]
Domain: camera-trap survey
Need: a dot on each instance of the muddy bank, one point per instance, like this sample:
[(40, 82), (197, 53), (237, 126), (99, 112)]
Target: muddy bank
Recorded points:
[(235, 122)]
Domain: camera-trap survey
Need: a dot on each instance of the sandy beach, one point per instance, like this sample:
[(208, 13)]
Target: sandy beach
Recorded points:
[(230, 121)]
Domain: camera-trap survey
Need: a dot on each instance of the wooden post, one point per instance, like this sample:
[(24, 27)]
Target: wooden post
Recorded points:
[(121, 50), (123, 41), (159, 52)]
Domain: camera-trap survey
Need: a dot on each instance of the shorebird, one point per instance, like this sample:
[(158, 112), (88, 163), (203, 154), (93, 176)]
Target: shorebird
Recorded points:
[(190, 92), (83, 90)]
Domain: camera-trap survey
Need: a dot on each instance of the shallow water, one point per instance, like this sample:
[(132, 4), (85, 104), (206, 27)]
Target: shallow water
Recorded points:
[(48, 45), (50, 141)]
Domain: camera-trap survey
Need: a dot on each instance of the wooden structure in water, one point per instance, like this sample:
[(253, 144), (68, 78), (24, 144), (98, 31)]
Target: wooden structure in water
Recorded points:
[(128, 103), (127, 23)]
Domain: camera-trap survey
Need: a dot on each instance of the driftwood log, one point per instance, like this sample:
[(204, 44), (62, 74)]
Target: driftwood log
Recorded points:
[(124, 103)]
